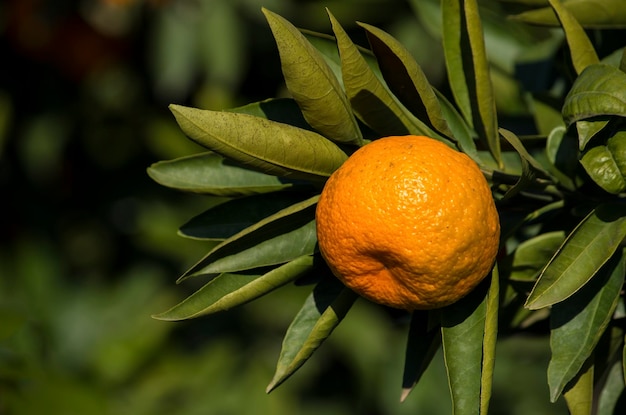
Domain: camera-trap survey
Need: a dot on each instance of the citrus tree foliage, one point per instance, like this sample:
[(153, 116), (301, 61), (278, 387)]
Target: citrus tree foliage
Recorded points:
[(559, 184)]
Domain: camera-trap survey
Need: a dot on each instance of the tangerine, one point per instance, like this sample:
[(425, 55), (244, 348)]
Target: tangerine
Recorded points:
[(408, 222)]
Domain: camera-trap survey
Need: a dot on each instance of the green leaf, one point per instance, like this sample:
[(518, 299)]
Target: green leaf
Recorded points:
[(532, 255), (598, 90), (583, 253), (578, 322), (260, 144), (489, 340), (462, 333), (468, 70), (312, 83), (461, 131), (581, 50), (616, 144), (533, 173), (422, 344), (283, 110), (233, 216), (231, 290), (597, 14), (587, 129), (281, 237), (322, 311), (406, 79), (371, 101), (579, 396), (210, 173), (562, 155), (601, 166)]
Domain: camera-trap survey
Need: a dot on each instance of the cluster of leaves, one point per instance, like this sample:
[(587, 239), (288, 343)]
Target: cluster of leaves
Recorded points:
[(559, 193)]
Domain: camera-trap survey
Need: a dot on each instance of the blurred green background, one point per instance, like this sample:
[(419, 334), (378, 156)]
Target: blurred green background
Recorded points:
[(89, 248)]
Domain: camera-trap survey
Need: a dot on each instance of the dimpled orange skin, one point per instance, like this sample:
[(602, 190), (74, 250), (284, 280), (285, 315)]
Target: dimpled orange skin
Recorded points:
[(409, 223)]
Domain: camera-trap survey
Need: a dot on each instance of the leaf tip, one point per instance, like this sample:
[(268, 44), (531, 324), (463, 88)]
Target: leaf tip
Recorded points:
[(405, 393)]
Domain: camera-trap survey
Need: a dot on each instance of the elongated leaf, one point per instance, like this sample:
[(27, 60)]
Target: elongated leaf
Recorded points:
[(282, 237), (579, 397), (531, 256), (422, 344), (562, 154), (406, 79), (584, 251), (313, 84), (597, 14), (260, 144), (599, 90), (587, 129), (210, 173), (322, 311), (581, 50), (489, 340), (461, 131), (229, 218), (371, 101), (231, 290), (578, 323), (462, 333), (468, 70)]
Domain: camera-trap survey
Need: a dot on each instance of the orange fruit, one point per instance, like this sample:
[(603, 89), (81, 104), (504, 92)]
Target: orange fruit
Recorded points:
[(408, 222)]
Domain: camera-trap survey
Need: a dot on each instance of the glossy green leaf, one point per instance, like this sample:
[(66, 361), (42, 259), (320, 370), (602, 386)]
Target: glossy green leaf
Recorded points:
[(210, 173), (579, 396), (371, 101), (312, 83), (616, 144), (322, 311), (233, 216), (260, 144), (532, 255), (422, 344), (583, 253), (468, 70), (578, 323), (587, 129), (598, 90), (406, 79), (601, 166), (581, 50), (281, 237), (599, 14), (463, 134), (533, 173), (462, 334), (231, 290)]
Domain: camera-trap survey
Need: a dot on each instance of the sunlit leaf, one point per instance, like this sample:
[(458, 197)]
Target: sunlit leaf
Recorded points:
[(492, 303), (581, 50), (210, 173), (283, 110), (281, 237), (260, 144), (312, 83), (582, 254), (578, 322), (579, 397), (322, 311), (468, 70), (233, 216), (598, 90), (599, 14), (375, 106), (406, 79), (463, 331), (231, 290), (422, 344)]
